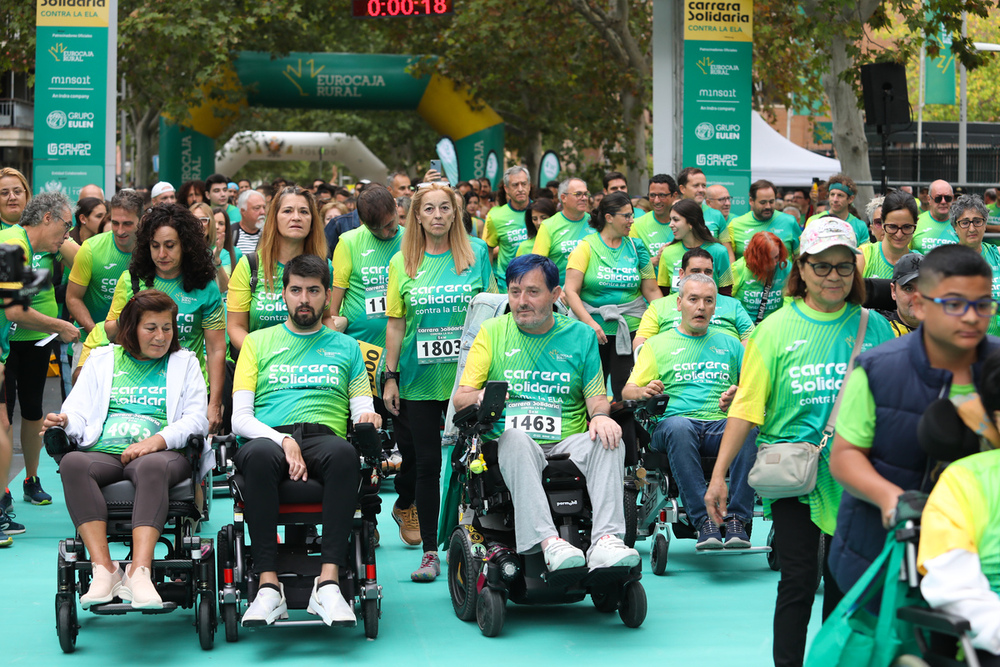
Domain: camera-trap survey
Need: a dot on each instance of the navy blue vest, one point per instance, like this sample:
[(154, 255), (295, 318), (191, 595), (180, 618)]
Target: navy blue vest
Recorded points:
[(903, 384)]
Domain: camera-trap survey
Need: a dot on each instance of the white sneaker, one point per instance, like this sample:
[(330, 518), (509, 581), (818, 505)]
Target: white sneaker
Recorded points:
[(267, 607), (138, 589), (104, 586), (328, 603), (609, 551), (561, 555)]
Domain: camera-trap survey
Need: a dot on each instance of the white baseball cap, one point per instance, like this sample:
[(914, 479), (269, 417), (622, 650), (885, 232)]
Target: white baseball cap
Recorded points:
[(161, 188), (825, 233)]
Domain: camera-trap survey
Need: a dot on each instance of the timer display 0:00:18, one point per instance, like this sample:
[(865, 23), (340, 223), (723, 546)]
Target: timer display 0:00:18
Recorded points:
[(382, 8)]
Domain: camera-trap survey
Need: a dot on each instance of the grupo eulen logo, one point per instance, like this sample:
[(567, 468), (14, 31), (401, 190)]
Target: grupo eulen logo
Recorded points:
[(704, 131), (56, 119)]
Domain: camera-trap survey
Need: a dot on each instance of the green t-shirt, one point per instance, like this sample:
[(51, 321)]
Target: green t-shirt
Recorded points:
[(856, 419), (234, 213), (930, 234), (856, 223), (714, 220), (695, 370), (993, 219), (549, 376), (525, 247), (434, 305), (876, 265), (98, 266), (558, 237), (793, 368), (662, 315), (653, 233), (992, 256), (196, 311), (302, 378), (138, 406), (266, 307), (224, 259), (504, 229), (782, 225), (361, 267), (45, 301), (611, 276), (748, 289), (670, 264)]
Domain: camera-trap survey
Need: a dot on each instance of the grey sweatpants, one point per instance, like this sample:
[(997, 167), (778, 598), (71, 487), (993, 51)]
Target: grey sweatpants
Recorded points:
[(521, 463)]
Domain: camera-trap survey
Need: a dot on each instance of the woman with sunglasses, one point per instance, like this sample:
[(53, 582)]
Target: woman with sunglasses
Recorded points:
[(794, 365), (968, 218), (899, 221), (934, 226)]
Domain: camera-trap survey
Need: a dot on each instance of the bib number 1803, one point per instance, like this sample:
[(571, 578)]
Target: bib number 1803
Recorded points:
[(438, 350)]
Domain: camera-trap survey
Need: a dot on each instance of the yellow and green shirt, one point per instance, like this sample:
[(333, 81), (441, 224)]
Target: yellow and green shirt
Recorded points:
[(611, 276)]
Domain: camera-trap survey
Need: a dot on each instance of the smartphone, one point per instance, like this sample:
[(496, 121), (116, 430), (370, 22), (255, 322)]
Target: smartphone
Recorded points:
[(436, 166)]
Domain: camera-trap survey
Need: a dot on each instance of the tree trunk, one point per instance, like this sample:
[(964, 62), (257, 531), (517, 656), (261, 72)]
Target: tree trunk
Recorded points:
[(532, 157), (146, 128), (634, 114)]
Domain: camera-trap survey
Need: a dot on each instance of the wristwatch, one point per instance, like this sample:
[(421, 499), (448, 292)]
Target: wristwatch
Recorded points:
[(390, 375)]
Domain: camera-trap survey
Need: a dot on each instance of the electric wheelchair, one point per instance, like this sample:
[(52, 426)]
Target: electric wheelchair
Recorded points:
[(184, 578), (300, 511), (484, 570)]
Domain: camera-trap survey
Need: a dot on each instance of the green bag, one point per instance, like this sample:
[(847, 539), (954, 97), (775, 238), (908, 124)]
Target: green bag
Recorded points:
[(851, 636)]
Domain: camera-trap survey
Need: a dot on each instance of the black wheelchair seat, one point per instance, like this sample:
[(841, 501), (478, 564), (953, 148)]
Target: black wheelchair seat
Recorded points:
[(309, 492), (123, 492)]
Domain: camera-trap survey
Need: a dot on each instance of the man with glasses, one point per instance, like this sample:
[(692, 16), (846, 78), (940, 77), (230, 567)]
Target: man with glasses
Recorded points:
[(505, 230), (934, 226), (841, 191), (559, 235), (968, 219), (691, 184), (717, 197), (653, 228), (761, 218), (875, 453)]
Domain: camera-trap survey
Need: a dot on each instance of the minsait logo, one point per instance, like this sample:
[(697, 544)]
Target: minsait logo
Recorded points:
[(704, 131), (56, 120)]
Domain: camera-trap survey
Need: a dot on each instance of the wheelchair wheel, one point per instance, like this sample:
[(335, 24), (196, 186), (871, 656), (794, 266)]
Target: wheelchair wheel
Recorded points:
[(369, 614), (231, 623), (658, 554), (66, 625), (605, 600), (632, 609), (772, 555), (206, 622), (490, 612), (462, 575), (631, 515)]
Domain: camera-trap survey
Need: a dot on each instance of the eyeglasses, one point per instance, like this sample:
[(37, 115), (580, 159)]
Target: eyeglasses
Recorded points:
[(68, 224), (906, 229), (957, 306), (579, 195), (659, 195), (943, 198), (964, 223), (16, 192), (823, 269), (627, 216), (877, 222)]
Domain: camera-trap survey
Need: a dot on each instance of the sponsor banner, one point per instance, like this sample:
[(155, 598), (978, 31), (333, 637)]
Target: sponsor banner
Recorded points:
[(939, 74), (718, 21), (74, 13), (549, 168), (68, 180), (449, 159), (185, 154)]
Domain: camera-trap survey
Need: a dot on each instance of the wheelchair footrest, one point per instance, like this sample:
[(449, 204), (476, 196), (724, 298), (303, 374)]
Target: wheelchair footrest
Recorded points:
[(733, 552), (582, 577), (292, 623), (116, 608)]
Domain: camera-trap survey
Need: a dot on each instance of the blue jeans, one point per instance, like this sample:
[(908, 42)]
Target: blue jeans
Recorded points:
[(686, 441)]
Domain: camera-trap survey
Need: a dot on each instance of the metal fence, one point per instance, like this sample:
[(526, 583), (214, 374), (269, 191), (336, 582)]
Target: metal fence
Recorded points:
[(923, 165), (17, 113)]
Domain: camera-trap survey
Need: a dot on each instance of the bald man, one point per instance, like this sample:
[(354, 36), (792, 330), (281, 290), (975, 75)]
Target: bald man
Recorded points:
[(717, 196), (92, 191), (934, 226)]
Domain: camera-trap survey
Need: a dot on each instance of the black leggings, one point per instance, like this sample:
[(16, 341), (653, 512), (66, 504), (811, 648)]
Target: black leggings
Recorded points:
[(418, 434), (330, 460), (27, 368), (618, 367), (796, 539), (84, 473)]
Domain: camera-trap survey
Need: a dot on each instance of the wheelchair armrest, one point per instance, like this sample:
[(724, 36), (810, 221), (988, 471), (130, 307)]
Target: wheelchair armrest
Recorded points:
[(654, 406), (193, 448), (367, 442), (58, 443), (466, 417), (622, 408), (935, 620)]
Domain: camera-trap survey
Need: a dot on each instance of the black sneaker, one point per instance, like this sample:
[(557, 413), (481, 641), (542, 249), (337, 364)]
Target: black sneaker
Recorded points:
[(709, 536), (8, 525), (33, 492), (7, 504), (736, 534)]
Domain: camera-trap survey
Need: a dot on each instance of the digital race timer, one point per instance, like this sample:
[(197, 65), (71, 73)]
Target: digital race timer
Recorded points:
[(366, 9)]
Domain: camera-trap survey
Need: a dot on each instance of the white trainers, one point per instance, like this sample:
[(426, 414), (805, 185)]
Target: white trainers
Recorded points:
[(328, 603), (104, 586), (138, 589), (268, 606), (609, 551), (561, 555)]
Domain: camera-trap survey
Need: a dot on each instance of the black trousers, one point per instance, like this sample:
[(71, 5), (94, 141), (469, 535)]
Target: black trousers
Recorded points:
[(24, 378), (418, 434), (615, 366), (796, 538), (332, 461)]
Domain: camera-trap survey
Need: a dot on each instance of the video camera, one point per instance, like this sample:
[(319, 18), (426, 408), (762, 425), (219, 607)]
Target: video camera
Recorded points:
[(13, 271)]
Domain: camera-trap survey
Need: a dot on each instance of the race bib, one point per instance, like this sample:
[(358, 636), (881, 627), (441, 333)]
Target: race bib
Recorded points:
[(374, 304), (540, 420), (122, 430), (439, 345)]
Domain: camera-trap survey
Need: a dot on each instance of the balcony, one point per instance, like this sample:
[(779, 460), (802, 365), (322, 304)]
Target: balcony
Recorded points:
[(17, 113)]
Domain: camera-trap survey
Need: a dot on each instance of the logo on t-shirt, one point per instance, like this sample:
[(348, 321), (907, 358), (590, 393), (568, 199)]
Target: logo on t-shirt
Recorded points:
[(513, 352), (368, 252), (796, 345)]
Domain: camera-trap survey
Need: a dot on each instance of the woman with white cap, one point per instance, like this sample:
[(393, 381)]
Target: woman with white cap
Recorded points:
[(794, 366)]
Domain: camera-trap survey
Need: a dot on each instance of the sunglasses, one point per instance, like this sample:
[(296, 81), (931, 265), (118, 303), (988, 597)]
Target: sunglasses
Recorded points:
[(943, 198)]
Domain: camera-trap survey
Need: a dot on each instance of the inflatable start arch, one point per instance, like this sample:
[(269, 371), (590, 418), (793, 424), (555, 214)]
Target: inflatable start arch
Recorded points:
[(335, 81)]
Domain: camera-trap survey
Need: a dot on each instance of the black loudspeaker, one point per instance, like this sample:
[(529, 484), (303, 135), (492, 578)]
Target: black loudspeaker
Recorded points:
[(884, 89)]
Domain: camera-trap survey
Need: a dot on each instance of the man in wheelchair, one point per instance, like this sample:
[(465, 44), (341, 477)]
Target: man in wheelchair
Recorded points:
[(959, 552), (698, 368), (553, 371), (294, 386)]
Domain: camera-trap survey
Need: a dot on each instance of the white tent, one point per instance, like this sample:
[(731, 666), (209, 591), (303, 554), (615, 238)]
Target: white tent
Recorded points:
[(336, 147), (776, 159)]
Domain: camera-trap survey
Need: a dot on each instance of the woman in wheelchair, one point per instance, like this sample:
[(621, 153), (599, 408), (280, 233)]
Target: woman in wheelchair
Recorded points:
[(134, 405)]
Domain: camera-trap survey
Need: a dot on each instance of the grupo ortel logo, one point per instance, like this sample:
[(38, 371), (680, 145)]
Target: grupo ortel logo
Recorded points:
[(704, 131), (56, 120)]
